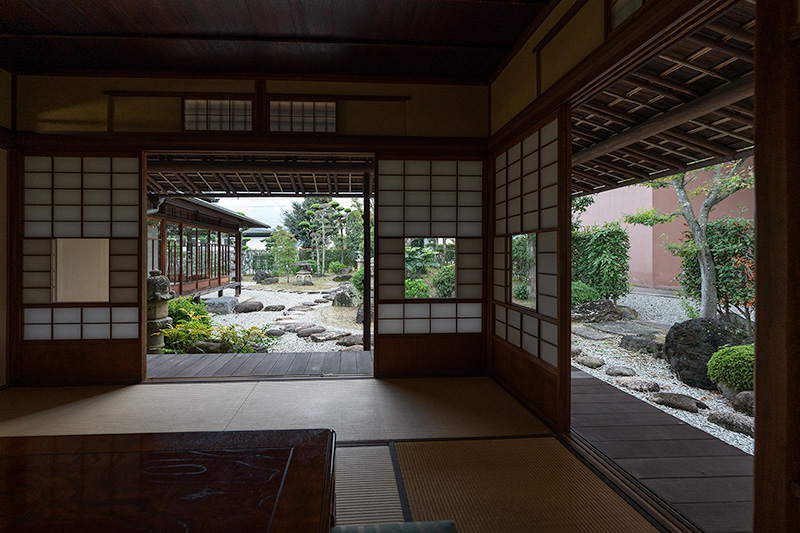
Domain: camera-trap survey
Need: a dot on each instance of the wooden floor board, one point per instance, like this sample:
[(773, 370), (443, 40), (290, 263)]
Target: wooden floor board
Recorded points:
[(708, 481), (188, 366)]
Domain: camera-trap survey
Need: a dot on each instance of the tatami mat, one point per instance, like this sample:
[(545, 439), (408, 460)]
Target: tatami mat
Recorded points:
[(370, 409), (366, 489), (511, 485), (357, 409)]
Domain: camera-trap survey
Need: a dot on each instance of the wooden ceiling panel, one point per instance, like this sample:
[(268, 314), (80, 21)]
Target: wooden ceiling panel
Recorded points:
[(689, 106), (458, 40)]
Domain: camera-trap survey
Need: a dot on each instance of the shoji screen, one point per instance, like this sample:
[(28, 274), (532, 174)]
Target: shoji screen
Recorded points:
[(526, 205), (86, 198), (424, 199)]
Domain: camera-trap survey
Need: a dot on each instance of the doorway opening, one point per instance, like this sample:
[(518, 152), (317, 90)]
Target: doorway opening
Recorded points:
[(276, 248)]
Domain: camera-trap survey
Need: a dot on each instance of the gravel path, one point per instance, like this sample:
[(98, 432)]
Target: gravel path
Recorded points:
[(288, 342), (666, 310)]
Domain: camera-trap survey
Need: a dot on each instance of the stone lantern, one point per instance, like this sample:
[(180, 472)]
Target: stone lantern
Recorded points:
[(158, 296)]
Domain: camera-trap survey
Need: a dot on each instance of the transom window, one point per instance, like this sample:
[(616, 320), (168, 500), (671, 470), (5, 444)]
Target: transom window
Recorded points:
[(217, 115), (313, 117)]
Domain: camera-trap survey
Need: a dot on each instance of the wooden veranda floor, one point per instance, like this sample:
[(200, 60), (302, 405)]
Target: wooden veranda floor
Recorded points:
[(258, 365), (704, 479)]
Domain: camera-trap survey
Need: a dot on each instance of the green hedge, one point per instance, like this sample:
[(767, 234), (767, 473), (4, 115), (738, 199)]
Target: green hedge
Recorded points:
[(734, 366), (416, 288), (445, 281), (600, 259), (184, 310)]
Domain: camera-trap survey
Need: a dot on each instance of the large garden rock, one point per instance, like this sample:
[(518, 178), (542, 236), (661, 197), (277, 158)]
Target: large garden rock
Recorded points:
[(360, 313), (689, 345), (597, 311), (262, 275), (269, 281), (575, 351), (307, 332), (351, 340), (620, 371), (734, 422), (745, 402), (678, 401), (274, 332), (249, 306), (643, 342), (343, 277), (591, 362), (223, 305), (343, 299), (207, 347), (638, 384)]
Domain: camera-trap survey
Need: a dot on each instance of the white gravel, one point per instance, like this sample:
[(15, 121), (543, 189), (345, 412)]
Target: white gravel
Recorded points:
[(649, 367), (289, 342), (662, 308)]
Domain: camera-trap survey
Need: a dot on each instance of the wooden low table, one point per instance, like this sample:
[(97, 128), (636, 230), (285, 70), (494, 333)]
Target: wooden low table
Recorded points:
[(209, 481)]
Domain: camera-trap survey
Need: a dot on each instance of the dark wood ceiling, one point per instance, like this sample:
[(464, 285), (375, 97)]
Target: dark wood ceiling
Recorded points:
[(209, 175), (446, 40), (688, 107)]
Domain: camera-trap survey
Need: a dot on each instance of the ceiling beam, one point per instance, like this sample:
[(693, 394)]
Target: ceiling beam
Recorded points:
[(708, 103), (719, 46), (256, 38), (735, 33), (267, 167)]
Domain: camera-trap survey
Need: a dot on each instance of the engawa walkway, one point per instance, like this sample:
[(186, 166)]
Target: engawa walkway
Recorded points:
[(706, 480), (255, 365)]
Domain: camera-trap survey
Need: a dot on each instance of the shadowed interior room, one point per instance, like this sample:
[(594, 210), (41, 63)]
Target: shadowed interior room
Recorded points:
[(469, 120)]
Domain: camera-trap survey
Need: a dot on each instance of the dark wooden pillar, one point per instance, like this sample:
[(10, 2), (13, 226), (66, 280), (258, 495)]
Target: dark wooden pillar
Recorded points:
[(260, 108), (367, 259), (777, 156), (162, 247), (238, 253)]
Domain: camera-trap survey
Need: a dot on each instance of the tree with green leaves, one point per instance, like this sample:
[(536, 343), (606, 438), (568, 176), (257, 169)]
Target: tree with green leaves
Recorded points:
[(727, 179), (323, 219), (283, 248), (293, 219)]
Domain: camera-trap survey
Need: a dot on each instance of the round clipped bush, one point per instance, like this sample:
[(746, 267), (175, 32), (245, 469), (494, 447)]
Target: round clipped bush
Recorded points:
[(582, 293), (520, 292), (445, 281), (336, 266), (357, 281), (733, 366), (184, 310), (417, 288)]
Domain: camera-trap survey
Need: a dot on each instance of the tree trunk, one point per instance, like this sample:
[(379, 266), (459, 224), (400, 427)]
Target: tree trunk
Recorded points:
[(708, 280)]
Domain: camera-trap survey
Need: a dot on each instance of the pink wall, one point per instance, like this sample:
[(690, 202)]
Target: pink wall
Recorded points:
[(651, 265)]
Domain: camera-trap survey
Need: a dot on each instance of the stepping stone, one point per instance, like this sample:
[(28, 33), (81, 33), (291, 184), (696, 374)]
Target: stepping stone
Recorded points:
[(591, 334), (300, 308), (353, 348), (321, 301), (734, 422), (591, 362), (309, 304), (620, 371), (274, 307), (351, 340), (286, 319), (295, 326), (678, 401), (307, 332), (328, 336), (574, 351), (275, 332), (639, 384)]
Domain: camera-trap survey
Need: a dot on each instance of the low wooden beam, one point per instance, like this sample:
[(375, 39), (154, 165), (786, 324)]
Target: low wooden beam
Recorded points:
[(265, 167), (700, 143), (717, 99), (720, 46), (734, 33)]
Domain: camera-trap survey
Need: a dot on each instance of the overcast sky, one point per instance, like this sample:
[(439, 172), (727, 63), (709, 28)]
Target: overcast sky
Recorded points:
[(267, 210)]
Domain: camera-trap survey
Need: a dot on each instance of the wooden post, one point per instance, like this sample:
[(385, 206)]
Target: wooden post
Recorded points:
[(777, 160), (238, 252), (367, 258), (180, 258), (260, 109), (162, 247)]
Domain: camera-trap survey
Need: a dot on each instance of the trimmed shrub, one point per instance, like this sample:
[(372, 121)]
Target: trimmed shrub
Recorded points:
[(184, 310), (582, 293), (417, 288), (520, 292), (357, 281), (600, 259), (734, 366), (335, 266), (445, 281)]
